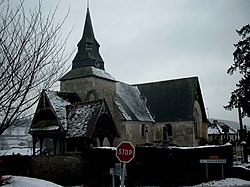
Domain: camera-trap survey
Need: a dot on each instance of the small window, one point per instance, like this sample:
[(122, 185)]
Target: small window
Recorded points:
[(169, 127), (143, 130), (88, 46), (167, 131)]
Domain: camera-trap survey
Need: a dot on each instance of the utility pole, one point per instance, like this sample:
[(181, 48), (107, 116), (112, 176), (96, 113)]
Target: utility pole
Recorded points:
[(242, 131)]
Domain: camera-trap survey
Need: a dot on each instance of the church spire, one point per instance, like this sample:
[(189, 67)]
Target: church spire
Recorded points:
[(88, 48)]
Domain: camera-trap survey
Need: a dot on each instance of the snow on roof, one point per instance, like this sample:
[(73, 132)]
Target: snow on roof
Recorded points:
[(129, 101), (213, 130), (108, 148), (82, 118), (48, 128), (86, 72), (217, 128), (59, 106), (232, 131), (199, 147), (17, 151), (101, 73)]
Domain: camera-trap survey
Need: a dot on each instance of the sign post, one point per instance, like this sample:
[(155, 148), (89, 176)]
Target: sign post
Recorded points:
[(125, 152), (214, 161)]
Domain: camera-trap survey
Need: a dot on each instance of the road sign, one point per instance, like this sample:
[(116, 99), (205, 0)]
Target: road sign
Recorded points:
[(125, 152), (117, 170), (212, 161)]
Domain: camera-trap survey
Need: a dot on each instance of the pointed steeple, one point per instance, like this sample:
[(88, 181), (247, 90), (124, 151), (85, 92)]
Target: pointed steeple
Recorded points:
[(88, 48)]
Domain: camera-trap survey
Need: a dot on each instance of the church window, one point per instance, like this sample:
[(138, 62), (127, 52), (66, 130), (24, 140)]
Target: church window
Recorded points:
[(143, 130), (195, 126), (197, 119), (167, 131)]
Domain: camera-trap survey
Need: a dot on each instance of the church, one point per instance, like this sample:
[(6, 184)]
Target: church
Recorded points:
[(92, 109)]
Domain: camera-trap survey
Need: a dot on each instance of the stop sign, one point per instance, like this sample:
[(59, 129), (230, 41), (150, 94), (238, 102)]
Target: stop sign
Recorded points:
[(125, 152)]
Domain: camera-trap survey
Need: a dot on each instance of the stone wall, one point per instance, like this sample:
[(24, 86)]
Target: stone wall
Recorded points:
[(151, 166), (182, 133), (92, 88), (135, 133)]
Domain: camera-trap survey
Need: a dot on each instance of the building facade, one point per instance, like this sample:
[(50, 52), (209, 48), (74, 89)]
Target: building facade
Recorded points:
[(94, 109)]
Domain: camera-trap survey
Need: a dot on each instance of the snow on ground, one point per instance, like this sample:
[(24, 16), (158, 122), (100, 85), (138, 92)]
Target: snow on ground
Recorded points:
[(19, 181), (233, 182)]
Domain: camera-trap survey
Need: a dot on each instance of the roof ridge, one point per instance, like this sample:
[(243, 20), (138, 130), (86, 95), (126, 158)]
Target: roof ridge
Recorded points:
[(88, 102), (169, 80)]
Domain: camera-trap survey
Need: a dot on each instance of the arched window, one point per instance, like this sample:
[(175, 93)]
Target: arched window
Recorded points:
[(197, 119), (106, 142)]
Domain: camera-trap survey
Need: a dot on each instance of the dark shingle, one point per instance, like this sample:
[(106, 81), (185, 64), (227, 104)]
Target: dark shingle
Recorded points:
[(172, 100), (82, 118), (86, 72)]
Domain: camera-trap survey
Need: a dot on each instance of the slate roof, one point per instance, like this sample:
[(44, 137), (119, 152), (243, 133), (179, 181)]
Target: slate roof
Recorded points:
[(82, 118), (76, 118), (88, 61), (172, 100), (129, 101), (58, 102), (87, 72)]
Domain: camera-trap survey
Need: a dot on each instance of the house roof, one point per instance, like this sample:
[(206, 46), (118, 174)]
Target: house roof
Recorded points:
[(82, 118), (218, 128), (65, 111), (87, 72), (172, 100), (57, 102), (130, 103)]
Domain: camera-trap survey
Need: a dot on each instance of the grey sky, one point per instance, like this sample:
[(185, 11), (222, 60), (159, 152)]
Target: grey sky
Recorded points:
[(152, 40)]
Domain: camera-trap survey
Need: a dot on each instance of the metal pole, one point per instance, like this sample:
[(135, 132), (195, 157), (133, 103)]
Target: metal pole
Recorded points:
[(222, 171), (207, 171), (123, 174), (113, 178)]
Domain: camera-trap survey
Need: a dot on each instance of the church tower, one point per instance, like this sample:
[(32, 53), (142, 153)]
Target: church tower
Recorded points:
[(88, 48), (88, 77)]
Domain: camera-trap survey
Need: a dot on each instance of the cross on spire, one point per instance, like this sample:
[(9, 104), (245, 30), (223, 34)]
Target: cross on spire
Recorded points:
[(87, 3)]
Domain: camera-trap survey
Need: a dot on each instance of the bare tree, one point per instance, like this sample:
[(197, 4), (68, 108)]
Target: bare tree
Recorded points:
[(32, 57)]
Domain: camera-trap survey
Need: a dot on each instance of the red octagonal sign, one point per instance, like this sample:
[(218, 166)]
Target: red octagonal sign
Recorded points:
[(125, 152)]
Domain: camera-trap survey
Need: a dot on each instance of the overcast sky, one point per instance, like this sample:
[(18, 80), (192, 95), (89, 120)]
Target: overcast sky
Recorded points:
[(153, 40)]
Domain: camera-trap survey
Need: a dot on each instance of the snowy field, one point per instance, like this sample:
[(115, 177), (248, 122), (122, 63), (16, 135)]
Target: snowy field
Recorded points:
[(18, 181)]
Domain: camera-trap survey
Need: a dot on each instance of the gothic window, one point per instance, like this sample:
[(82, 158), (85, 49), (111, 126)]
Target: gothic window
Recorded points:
[(197, 119)]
